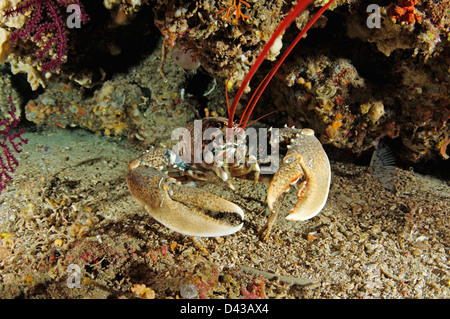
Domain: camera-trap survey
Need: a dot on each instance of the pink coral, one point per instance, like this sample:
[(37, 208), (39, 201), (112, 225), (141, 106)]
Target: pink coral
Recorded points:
[(8, 162), (46, 28)]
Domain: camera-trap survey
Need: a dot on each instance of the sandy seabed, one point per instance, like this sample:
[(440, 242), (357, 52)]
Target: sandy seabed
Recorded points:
[(69, 206)]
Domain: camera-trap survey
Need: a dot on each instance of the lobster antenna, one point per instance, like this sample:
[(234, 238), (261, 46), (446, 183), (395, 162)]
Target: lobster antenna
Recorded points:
[(267, 79), (299, 8), (251, 99), (260, 118)]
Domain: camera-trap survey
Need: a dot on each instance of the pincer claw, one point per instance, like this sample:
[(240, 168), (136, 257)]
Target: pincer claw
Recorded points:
[(305, 166), (184, 209)]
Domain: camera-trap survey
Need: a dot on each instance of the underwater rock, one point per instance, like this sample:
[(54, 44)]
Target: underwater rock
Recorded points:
[(350, 111), (7, 90), (226, 41), (355, 101), (133, 105), (352, 84), (5, 47)]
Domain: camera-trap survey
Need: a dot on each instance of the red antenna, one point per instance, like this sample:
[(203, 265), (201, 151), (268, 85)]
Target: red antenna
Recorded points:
[(299, 8)]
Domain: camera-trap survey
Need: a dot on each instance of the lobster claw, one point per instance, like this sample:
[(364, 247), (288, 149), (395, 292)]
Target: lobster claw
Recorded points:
[(183, 209), (306, 166)]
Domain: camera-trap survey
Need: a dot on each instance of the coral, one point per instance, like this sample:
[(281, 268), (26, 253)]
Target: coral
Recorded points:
[(224, 45), (5, 47), (34, 78), (45, 27), (8, 162), (236, 9), (14, 21), (404, 11)]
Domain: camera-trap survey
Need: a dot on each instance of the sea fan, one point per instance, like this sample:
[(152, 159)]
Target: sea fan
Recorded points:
[(46, 27), (8, 162)]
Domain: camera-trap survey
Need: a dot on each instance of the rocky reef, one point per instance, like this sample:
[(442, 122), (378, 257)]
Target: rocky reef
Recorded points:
[(137, 69)]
